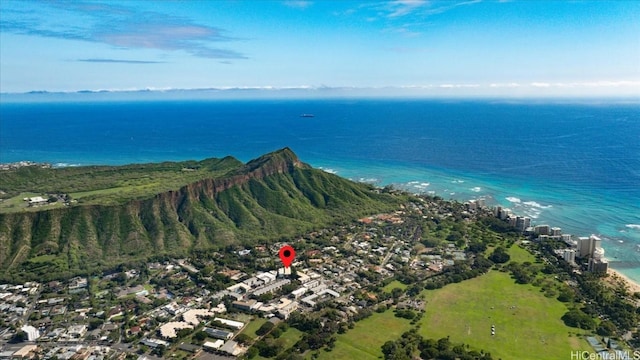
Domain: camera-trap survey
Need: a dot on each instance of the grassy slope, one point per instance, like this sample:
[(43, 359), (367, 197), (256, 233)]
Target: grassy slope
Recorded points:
[(520, 255), (290, 201), (528, 325), (107, 185)]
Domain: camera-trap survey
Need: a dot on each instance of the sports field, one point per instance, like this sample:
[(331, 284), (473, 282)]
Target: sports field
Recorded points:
[(527, 324)]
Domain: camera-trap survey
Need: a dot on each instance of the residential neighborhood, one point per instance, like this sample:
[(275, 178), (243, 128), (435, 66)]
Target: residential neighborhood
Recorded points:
[(218, 304)]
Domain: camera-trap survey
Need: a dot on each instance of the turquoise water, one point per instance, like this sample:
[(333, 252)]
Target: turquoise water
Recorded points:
[(589, 211), (573, 165)]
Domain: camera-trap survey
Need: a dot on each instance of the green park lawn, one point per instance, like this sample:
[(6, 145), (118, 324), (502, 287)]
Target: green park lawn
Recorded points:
[(527, 323), (520, 255), (393, 285), (365, 340), (290, 337), (287, 339), (253, 326)]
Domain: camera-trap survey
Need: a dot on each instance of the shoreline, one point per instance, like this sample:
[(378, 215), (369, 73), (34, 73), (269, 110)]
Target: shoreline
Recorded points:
[(614, 275)]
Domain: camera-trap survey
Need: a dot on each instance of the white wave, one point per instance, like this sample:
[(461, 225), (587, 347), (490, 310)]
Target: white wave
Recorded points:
[(368, 180), (633, 226), (536, 205), (418, 185), (60, 165), (513, 199), (452, 193), (457, 181), (476, 189), (431, 192)]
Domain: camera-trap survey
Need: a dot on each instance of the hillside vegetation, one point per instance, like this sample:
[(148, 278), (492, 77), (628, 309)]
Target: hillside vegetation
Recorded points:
[(219, 202)]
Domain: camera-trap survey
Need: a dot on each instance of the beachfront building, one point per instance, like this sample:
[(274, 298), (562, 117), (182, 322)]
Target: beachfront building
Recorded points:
[(501, 213), (542, 230), (597, 263), (587, 246), (522, 223)]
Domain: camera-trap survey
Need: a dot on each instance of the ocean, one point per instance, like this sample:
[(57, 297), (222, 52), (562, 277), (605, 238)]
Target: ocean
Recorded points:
[(573, 165)]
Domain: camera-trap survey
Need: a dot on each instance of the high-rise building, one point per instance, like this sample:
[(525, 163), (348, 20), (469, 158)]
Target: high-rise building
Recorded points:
[(522, 223), (598, 265), (597, 242), (542, 230), (501, 213), (587, 246), (569, 256)]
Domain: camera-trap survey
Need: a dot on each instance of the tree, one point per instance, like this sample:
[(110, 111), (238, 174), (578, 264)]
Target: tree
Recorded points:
[(200, 336), (265, 328), (244, 339), (606, 328), (95, 323), (252, 352), (443, 344), (566, 295), (388, 349), (160, 350), (499, 256), (19, 337), (578, 319)]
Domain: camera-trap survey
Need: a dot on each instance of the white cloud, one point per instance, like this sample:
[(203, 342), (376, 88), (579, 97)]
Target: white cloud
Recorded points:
[(541, 84), (587, 84), (299, 4), (404, 7), (458, 86), (503, 85)]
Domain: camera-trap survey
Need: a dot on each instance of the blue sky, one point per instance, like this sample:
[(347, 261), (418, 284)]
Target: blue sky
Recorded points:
[(429, 48)]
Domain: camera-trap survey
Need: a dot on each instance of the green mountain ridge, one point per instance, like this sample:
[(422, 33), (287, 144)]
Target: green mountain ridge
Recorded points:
[(273, 196)]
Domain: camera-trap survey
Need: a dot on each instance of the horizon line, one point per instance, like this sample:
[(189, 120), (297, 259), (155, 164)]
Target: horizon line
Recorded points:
[(531, 90)]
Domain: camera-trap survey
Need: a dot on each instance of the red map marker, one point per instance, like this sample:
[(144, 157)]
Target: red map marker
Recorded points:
[(287, 254)]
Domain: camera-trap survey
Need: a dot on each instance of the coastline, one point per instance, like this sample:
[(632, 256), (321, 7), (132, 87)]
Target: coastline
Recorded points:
[(615, 275)]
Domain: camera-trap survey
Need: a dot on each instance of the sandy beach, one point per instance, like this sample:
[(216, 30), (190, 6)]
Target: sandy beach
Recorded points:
[(631, 285)]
